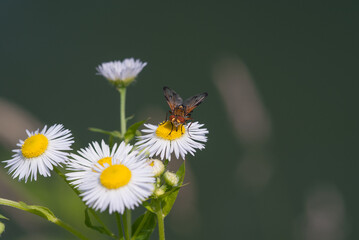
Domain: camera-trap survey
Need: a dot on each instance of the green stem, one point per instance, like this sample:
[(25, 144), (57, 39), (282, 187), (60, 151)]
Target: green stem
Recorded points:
[(160, 219), (70, 229), (44, 213), (142, 223), (119, 226), (127, 216), (122, 91), (62, 175), (127, 224)]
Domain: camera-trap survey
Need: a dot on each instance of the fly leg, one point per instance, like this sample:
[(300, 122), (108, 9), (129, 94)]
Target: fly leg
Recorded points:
[(189, 118), (171, 129)]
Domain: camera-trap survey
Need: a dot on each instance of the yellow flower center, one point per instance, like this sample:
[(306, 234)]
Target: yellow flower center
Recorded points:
[(168, 131), (115, 176), (34, 146), (152, 163)]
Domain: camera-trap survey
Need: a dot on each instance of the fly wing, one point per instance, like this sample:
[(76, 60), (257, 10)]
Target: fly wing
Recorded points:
[(193, 102), (172, 98)]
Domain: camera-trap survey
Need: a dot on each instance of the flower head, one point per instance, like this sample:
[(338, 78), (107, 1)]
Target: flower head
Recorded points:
[(164, 139), (114, 179), (121, 73), (40, 152)]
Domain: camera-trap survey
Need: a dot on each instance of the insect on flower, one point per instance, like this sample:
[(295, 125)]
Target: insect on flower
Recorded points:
[(181, 110)]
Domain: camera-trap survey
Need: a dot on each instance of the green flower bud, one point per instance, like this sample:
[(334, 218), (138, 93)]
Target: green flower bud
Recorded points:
[(159, 191), (171, 178)]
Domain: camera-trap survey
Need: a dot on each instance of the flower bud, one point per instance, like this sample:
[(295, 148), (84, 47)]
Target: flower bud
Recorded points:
[(171, 178), (157, 167), (159, 191)]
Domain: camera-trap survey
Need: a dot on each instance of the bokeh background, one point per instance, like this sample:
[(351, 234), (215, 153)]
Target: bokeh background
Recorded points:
[(282, 76)]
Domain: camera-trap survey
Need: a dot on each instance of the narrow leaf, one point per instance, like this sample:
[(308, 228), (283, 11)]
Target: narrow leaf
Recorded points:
[(169, 200), (131, 132), (148, 206), (89, 224), (3, 217), (115, 134), (40, 211), (2, 228), (144, 225)]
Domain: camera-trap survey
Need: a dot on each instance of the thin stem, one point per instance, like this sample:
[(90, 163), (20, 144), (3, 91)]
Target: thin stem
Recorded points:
[(119, 225), (70, 229), (44, 213), (62, 175), (122, 91), (127, 216), (127, 224), (160, 219)]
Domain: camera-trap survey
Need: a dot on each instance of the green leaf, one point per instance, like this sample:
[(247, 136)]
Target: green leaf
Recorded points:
[(3, 217), (131, 132), (130, 117), (115, 134), (169, 200), (89, 224), (144, 225), (148, 206), (40, 211), (2, 228)]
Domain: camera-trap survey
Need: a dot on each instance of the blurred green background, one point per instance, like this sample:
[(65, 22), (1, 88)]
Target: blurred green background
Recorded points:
[(282, 157)]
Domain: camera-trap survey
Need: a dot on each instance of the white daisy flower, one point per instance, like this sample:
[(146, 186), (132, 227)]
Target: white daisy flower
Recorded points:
[(121, 73), (40, 152), (164, 139), (115, 179)]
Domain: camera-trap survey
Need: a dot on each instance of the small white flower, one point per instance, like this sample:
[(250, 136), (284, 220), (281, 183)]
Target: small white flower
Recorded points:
[(122, 73), (164, 139), (115, 179), (40, 152)]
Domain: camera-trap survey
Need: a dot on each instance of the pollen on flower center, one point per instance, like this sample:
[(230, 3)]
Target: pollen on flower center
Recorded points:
[(115, 176), (164, 131), (34, 146), (104, 160)]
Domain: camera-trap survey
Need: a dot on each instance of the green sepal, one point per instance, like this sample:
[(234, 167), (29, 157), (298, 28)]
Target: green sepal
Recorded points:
[(89, 224), (115, 134), (169, 199), (131, 132), (144, 225)]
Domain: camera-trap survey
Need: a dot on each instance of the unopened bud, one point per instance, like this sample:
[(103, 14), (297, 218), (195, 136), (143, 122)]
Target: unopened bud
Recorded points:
[(157, 167), (159, 191), (171, 178)]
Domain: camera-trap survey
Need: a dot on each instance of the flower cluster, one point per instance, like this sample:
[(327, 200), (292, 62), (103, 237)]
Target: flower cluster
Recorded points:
[(117, 177)]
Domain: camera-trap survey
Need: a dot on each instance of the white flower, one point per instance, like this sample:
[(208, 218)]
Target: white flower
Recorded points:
[(114, 179), (40, 152), (164, 139), (122, 73)]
